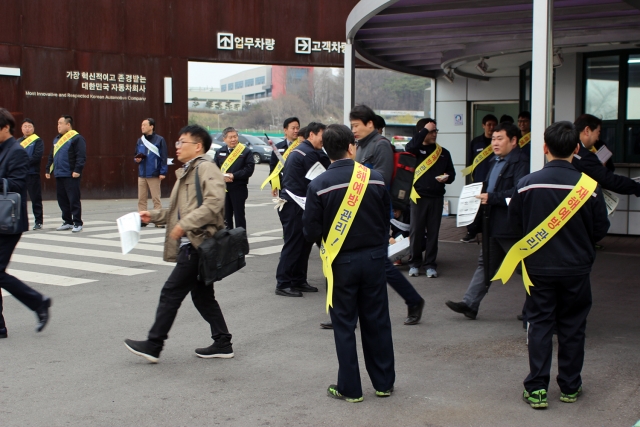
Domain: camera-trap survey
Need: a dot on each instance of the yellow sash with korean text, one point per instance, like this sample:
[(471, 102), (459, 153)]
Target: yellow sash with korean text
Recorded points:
[(477, 160), (65, 138), (232, 158), (422, 169), (342, 223), (28, 141), (524, 140), (274, 178), (544, 231)]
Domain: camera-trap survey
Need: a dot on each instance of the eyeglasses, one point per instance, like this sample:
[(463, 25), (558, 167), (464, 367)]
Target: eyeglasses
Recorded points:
[(179, 143), (435, 130)]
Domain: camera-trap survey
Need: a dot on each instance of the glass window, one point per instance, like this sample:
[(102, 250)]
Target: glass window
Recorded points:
[(260, 80), (248, 82), (602, 76), (633, 141), (633, 90), (223, 88), (239, 85)]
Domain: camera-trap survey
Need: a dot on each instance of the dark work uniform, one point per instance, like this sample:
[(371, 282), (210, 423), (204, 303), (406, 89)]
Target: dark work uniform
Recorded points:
[(359, 288), (34, 186), (294, 258), (587, 162), (479, 174), (428, 211), (559, 272), (14, 167), (273, 160), (70, 158), (237, 191)]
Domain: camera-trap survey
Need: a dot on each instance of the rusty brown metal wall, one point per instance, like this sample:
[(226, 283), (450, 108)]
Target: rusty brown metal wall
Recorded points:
[(152, 38)]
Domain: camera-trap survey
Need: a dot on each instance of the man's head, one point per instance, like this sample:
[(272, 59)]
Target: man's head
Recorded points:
[(315, 131), (505, 118), (524, 122), (504, 139), (432, 135), (379, 124), (489, 122), (148, 126), (194, 141), (291, 127), (230, 137), (7, 124), (65, 124), (561, 141), (588, 127), (303, 133), (28, 128), (362, 119), (339, 142)]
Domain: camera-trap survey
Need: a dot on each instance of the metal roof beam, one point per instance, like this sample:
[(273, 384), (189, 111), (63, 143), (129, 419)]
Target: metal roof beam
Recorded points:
[(447, 5)]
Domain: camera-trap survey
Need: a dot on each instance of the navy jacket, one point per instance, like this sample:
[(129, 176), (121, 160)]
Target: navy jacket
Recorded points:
[(516, 166), (14, 167), (152, 166), (241, 169), (587, 162), (427, 185), (273, 161), (70, 158), (477, 145), (296, 167), (35, 150), (571, 251), (370, 226)]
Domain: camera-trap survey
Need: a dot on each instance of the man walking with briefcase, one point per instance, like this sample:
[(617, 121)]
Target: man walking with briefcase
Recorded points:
[(189, 223)]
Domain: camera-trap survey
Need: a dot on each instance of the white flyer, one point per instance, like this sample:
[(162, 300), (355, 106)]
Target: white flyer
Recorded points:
[(301, 201), (468, 205), (604, 154), (129, 229), (611, 201), (315, 171), (398, 249)]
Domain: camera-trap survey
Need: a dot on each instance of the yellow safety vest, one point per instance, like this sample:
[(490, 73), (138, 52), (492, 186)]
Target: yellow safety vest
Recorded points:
[(28, 141), (65, 138), (477, 160), (275, 175), (524, 140), (422, 169)]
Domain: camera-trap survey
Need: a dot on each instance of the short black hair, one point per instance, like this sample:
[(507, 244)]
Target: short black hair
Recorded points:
[(303, 132), (362, 113), (67, 118), (587, 120), (336, 140), (151, 123), (290, 120), (422, 123), (489, 117), (511, 130), (505, 118), (561, 138), (379, 122), (28, 121), (525, 115), (199, 133), (7, 119), (314, 127)]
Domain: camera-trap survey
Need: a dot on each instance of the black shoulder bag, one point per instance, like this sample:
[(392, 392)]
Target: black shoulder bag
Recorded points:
[(222, 254), (10, 205)]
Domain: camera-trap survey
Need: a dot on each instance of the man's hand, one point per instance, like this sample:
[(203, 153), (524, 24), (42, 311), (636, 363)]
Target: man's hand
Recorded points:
[(177, 232), (46, 175), (161, 177), (430, 126), (442, 178), (75, 175), (228, 177), (274, 192), (137, 159), (145, 216), (484, 197)]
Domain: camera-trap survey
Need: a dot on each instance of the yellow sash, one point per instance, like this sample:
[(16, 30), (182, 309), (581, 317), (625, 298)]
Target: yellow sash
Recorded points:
[(232, 158), (422, 169), (544, 231), (65, 138), (28, 141), (342, 223), (524, 140), (275, 175), (478, 159), (594, 150)]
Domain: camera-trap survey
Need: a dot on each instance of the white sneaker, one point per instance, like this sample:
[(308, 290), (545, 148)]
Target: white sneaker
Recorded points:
[(414, 272), (76, 229), (64, 227), (431, 272)]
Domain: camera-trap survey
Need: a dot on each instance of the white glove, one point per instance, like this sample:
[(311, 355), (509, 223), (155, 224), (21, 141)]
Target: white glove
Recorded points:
[(279, 203)]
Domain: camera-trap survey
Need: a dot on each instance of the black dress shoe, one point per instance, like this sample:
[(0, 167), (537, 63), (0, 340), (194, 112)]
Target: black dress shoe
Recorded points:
[(326, 325), (3, 333), (520, 317), (288, 292), (43, 314), (37, 226), (414, 314), (305, 287), (462, 308)]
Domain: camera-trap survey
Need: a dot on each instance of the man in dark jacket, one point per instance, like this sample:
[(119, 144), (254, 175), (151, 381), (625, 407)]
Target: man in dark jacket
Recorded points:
[(34, 147), (14, 167), (508, 166), (66, 161), (237, 169), (291, 127), (426, 208), (151, 156), (559, 269)]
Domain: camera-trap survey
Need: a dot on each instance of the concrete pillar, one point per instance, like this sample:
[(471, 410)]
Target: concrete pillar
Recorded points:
[(349, 80)]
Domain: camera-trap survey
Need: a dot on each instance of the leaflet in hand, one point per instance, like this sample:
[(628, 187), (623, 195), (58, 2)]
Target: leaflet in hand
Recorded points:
[(611, 200), (129, 229), (468, 204), (604, 154), (315, 171), (301, 201)]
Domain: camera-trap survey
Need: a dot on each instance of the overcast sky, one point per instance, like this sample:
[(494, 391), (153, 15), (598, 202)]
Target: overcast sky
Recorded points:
[(208, 74)]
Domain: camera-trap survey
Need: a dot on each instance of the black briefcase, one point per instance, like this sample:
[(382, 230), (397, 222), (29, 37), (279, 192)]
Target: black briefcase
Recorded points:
[(10, 210), (223, 254)]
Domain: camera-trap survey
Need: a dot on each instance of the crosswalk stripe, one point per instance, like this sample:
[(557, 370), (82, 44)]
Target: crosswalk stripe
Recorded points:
[(89, 241), (153, 240), (78, 265), (261, 233), (92, 253), (263, 239), (267, 250), (47, 279), (89, 229), (254, 205), (142, 233)]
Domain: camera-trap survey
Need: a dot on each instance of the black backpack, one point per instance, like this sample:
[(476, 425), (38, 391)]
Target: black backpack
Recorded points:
[(404, 166)]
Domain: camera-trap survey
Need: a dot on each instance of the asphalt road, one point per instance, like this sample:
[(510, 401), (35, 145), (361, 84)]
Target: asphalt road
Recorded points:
[(450, 371)]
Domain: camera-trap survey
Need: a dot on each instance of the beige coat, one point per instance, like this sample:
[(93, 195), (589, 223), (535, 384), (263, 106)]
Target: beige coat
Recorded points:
[(198, 222)]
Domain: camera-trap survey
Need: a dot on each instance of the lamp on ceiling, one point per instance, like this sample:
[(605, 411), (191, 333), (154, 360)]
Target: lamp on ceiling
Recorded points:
[(482, 67), (558, 60), (448, 75)]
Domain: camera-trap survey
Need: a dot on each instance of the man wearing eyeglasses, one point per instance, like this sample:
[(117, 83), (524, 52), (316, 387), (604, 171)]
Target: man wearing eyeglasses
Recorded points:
[(190, 223)]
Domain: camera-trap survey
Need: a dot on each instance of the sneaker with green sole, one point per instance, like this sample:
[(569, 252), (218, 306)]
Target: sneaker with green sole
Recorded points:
[(570, 397), (536, 399), (332, 391), (384, 393)]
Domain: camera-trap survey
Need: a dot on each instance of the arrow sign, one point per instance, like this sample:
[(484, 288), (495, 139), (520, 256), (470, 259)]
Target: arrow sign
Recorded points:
[(303, 45), (225, 41)]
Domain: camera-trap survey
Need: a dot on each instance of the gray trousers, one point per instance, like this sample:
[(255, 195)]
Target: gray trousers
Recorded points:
[(477, 289)]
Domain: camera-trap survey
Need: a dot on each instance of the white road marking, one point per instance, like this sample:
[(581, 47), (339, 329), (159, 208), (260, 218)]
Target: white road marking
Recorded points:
[(78, 265), (47, 279), (89, 241), (262, 233), (263, 239), (267, 251), (142, 233)]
